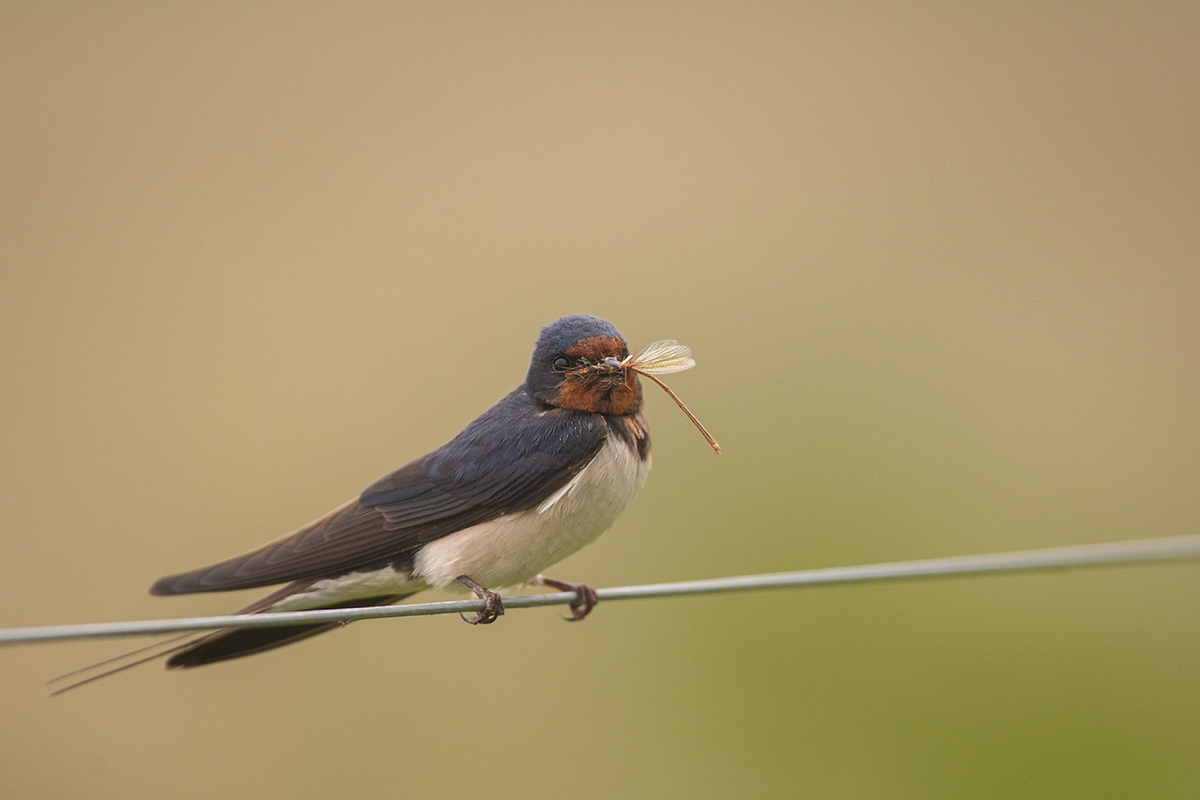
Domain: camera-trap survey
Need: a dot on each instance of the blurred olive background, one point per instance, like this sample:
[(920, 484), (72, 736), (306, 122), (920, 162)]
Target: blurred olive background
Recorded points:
[(939, 267)]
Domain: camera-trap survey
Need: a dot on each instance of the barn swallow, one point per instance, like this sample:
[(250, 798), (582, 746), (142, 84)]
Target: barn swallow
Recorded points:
[(535, 478)]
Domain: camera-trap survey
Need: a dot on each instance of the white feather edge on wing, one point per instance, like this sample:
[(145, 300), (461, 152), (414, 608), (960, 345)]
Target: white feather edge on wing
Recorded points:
[(567, 488)]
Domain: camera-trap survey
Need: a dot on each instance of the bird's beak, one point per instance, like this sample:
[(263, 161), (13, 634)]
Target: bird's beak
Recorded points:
[(613, 363)]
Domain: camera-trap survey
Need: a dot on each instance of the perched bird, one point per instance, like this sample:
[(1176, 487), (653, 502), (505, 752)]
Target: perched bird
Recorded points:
[(539, 475)]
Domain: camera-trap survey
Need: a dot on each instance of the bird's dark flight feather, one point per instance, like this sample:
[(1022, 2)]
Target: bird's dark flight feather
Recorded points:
[(510, 459), (238, 642)]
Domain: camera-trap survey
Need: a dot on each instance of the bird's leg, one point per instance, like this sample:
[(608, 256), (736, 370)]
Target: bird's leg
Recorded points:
[(493, 606), (585, 596)]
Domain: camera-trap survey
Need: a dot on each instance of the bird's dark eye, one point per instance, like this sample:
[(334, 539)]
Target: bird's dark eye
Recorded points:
[(561, 364)]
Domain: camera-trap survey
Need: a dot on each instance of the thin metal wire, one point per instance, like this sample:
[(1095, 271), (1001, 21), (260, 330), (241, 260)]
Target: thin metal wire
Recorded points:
[(1171, 548)]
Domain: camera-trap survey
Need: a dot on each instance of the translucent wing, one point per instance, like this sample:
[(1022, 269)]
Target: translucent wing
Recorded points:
[(662, 357)]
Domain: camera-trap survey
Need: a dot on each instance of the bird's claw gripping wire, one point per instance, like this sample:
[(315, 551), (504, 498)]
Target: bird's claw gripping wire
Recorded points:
[(585, 596), (493, 606)]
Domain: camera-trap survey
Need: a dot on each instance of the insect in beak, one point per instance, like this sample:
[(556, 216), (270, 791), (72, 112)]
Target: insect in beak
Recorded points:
[(661, 358)]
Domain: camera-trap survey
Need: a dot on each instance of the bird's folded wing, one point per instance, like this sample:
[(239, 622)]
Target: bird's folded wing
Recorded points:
[(509, 460)]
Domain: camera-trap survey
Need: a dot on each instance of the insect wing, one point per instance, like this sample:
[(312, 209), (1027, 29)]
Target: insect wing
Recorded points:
[(662, 358)]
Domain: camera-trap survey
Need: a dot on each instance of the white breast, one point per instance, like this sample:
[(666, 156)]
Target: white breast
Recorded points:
[(511, 550)]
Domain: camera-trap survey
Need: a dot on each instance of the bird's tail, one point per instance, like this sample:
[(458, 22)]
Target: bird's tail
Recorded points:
[(220, 645), (238, 642)]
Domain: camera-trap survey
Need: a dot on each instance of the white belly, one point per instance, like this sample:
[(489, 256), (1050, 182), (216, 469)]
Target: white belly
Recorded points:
[(511, 550)]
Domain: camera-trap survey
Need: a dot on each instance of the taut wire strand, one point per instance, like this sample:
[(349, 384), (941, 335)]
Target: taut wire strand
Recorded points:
[(1171, 548)]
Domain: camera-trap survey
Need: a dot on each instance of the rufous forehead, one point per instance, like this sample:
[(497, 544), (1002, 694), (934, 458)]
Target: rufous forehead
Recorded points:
[(598, 348)]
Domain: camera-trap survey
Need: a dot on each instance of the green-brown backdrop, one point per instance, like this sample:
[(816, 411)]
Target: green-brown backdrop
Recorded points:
[(940, 267)]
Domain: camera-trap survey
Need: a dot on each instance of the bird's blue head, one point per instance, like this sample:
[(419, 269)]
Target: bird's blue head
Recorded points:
[(577, 364)]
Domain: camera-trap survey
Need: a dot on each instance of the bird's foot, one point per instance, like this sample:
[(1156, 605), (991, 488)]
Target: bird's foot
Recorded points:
[(585, 596), (493, 606)]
